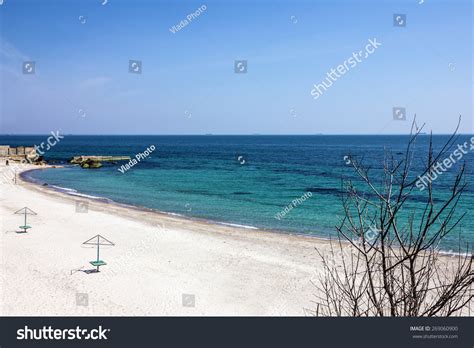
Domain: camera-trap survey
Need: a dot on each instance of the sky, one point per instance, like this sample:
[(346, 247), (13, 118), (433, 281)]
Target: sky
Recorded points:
[(82, 83)]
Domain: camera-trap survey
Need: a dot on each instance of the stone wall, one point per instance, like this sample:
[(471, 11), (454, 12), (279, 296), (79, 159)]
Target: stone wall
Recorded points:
[(18, 153), (4, 150)]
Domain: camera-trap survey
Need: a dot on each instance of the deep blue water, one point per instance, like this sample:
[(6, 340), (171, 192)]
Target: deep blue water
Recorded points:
[(205, 177)]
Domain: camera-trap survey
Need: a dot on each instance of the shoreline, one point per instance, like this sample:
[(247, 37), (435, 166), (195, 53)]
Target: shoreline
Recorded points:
[(49, 189), (128, 209)]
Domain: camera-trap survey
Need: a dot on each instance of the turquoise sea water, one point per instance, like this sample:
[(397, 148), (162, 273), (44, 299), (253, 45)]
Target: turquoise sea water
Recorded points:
[(244, 180)]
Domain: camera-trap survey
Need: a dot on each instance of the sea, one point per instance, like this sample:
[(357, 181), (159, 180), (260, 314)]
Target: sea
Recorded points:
[(289, 184)]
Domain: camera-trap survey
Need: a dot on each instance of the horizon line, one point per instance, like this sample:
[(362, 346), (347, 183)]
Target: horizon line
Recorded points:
[(224, 134)]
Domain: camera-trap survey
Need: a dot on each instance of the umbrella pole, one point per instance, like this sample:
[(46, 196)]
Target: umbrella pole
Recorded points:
[(98, 247)]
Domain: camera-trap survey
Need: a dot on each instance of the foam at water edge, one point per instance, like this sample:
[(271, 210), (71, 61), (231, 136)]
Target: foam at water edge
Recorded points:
[(237, 225)]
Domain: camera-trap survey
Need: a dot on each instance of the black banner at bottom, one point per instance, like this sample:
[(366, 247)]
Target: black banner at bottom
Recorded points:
[(235, 332)]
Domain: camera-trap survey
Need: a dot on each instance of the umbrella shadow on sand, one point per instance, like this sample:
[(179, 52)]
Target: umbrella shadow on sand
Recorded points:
[(86, 271), (16, 231)]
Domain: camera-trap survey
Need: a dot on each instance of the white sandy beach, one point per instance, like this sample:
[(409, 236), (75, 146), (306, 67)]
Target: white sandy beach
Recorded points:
[(157, 258)]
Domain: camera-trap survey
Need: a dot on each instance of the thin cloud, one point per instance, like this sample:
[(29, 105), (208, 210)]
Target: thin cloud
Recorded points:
[(9, 52), (94, 82)]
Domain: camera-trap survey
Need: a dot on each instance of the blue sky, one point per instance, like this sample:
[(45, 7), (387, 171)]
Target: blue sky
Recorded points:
[(82, 83)]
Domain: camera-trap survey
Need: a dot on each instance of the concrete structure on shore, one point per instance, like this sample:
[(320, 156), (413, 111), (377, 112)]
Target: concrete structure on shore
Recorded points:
[(19, 153)]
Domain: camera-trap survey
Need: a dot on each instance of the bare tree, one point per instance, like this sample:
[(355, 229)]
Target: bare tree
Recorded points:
[(386, 260)]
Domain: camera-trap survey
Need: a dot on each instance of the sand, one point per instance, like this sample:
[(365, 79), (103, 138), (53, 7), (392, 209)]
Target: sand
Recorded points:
[(160, 265)]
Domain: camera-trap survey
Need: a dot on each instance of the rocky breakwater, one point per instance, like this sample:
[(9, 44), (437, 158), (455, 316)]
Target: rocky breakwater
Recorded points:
[(96, 161)]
